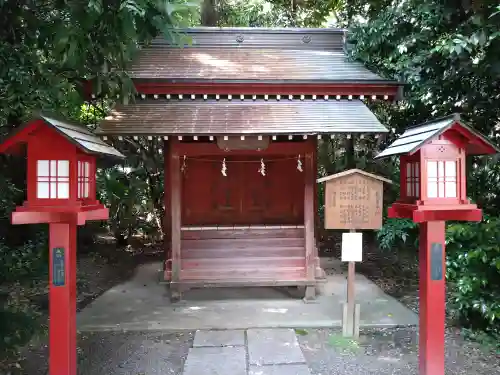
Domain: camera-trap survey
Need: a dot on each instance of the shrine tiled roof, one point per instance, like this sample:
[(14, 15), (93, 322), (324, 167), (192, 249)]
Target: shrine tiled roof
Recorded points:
[(252, 54), (260, 117)]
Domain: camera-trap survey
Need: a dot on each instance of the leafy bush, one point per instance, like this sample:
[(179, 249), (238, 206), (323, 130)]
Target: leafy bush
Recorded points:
[(473, 272), (17, 326), (24, 262), (397, 233)]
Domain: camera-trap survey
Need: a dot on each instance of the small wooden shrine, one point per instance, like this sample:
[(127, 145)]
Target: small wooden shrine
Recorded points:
[(241, 111)]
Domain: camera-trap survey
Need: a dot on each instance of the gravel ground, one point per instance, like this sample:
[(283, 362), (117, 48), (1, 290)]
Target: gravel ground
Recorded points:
[(95, 276), (122, 353), (387, 352), (396, 273)]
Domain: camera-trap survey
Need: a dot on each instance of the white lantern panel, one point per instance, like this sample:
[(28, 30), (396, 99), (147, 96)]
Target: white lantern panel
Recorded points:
[(441, 169), (432, 189), (86, 169), (63, 168), (408, 170), (451, 189), (417, 189), (42, 168), (53, 190), (451, 169), (42, 189), (441, 189), (53, 168), (63, 190), (432, 169)]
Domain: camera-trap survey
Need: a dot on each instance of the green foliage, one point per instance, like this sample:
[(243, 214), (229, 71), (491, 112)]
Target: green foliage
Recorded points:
[(398, 233), (26, 262), (473, 268), (17, 326)]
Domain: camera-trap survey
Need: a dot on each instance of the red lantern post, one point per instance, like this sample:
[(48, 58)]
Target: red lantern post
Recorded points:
[(61, 191), (433, 190)]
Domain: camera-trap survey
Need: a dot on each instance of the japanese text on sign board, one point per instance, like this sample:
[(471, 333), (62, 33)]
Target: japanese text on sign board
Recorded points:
[(354, 195), (353, 202)]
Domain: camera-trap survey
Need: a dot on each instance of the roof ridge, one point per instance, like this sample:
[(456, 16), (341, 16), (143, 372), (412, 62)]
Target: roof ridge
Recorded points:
[(453, 116)]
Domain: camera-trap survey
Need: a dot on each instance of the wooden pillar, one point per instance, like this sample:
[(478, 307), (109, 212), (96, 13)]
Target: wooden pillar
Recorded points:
[(167, 226), (319, 273), (175, 212), (432, 269), (62, 299), (310, 181)]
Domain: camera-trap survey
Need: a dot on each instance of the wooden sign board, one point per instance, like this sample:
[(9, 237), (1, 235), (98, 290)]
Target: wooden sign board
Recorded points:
[(353, 200)]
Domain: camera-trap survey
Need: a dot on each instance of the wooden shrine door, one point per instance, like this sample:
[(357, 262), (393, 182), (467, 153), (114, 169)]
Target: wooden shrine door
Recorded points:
[(244, 196)]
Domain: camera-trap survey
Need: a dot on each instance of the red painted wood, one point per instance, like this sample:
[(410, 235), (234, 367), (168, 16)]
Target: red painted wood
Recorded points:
[(244, 196), (249, 255), (259, 250), (200, 88), (176, 216), (239, 243), (309, 214), (62, 304), (247, 233), (167, 222), (423, 213), (253, 276), (277, 149), (432, 302)]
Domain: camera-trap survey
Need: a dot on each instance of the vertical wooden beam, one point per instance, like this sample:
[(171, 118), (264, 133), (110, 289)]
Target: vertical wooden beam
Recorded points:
[(62, 299), (167, 226), (432, 267), (319, 273), (310, 181), (175, 233)]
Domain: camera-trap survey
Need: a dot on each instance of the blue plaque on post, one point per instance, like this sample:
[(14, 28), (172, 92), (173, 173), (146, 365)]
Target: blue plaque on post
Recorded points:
[(58, 267), (436, 261)]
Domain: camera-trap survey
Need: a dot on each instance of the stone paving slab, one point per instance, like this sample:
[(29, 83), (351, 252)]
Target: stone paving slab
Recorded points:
[(219, 338), (280, 370), (143, 304), (273, 347), (216, 361)]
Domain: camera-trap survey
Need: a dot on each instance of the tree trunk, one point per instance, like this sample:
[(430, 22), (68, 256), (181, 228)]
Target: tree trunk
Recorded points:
[(209, 15)]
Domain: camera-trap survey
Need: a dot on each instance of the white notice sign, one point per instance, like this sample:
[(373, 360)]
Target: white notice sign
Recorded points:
[(352, 247)]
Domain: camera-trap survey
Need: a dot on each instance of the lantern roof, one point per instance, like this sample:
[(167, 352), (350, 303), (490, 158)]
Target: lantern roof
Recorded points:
[(351, 172), (414, 137), (75, 133)]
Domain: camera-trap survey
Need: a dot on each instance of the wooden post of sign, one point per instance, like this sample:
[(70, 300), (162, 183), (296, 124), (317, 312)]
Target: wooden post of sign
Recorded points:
[(350, 321), (351, 279), (353, 201)]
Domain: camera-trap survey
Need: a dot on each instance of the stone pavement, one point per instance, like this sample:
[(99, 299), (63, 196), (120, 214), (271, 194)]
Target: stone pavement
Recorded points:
[(380, 351), (251, 352), (143, 304)]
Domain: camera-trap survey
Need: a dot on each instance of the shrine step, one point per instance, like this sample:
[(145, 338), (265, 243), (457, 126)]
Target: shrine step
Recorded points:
[(251, 274), (242, 233), (242, 243), (256, 251), (243, 263)]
